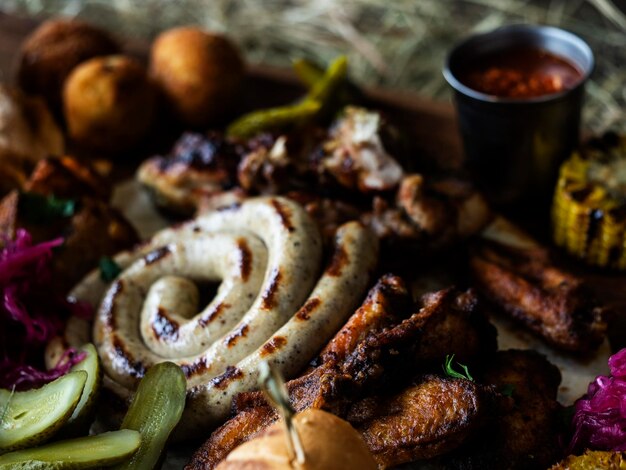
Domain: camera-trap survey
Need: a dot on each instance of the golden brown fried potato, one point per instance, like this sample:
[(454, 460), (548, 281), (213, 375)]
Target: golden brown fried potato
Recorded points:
[(50, 53), (200, 74), (109, 103)]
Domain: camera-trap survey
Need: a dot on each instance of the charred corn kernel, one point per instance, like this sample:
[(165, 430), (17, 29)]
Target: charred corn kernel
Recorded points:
[(589, 206)]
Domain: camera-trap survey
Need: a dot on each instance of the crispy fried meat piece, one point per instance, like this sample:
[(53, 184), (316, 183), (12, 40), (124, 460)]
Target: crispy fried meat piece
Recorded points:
[(329, 213), (447, 323), (437, 210), (458, 328), (265, 166), (277, 164), (198, 166), (66, 177), (377, 354), (524, 429), (525, 284), (431, 417), (354, 154)]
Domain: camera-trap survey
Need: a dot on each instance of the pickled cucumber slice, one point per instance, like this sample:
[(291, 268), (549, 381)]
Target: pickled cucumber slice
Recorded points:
[(84, 452), (33, 416), (83, 413), (265, 120), (155, 410)]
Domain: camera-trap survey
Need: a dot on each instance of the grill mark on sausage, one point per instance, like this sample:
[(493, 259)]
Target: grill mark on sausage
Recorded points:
[(245, 258), (240, 332), (197, 367), (126, 360), (164, 327), (272, 345), (231, 373), (231, 207), (156, 255), (285, 215), (339, 260), (269, 296), (308, 308), (108, 304), (215, 312)]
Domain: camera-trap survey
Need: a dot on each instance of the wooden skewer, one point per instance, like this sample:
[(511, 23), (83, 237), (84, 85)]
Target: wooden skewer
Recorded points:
[(273, 385)]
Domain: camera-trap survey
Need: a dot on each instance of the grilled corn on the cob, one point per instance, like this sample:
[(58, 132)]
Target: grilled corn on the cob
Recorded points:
[(589, 207)]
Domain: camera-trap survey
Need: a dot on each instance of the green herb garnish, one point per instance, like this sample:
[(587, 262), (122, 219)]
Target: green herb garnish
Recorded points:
[(507, 390), (450, 372), (39, 209), (109, 269)]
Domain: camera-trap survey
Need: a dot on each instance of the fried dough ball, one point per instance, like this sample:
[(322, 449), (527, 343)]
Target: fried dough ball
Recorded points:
[(50, 53), (199, 73), (109, 103)]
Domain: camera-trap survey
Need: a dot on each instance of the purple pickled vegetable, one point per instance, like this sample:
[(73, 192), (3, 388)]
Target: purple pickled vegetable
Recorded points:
[(599, 420), (31, 314)]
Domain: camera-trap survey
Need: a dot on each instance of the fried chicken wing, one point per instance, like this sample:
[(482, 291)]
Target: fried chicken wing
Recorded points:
[(429, 418), (552, 302), (524, 429)]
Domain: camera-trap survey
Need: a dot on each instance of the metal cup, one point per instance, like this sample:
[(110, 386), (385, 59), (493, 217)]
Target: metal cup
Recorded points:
[(514, 146)]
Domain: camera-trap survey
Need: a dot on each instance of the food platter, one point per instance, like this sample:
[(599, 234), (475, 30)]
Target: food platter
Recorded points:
[(431, 125)]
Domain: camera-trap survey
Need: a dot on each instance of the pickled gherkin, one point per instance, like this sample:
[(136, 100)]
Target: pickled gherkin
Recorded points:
[(308, 72), (589, 206), (84, 452), (83, 413), (265, 120), (318, 100), (155, 410), (33, 416)]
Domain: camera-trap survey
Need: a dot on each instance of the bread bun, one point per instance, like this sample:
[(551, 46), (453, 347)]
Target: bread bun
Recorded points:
[(199, 73), (109, 103), (329, 442), (50, 53)]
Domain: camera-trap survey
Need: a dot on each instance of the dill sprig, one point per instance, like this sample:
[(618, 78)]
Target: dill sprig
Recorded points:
[(448, 369)]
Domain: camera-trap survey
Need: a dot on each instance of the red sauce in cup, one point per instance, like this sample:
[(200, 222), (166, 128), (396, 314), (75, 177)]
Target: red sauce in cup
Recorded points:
[(522, 72)]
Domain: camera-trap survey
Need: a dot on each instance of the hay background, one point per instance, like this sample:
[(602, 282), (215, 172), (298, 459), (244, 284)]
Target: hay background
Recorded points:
[(400, 44)]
